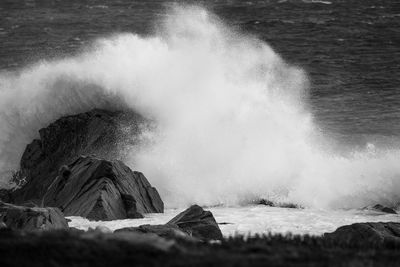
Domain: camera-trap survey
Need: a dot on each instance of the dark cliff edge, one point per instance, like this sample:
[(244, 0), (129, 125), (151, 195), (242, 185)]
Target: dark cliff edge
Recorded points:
[(93, 248)]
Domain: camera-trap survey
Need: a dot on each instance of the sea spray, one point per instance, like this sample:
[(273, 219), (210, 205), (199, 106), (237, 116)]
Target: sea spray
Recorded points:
[(230, 121)]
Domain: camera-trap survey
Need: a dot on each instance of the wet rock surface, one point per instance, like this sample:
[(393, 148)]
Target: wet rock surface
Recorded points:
[(193, 224), (197, 223)]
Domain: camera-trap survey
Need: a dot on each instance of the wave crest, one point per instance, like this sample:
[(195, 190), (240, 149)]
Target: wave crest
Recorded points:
[(231, 115)]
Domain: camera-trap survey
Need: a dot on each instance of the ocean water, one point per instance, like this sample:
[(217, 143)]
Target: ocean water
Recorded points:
[(349, 48), (295, 101)]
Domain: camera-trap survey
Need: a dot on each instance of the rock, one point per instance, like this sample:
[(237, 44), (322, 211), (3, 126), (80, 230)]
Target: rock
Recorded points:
[(27, 218), (264, 202), (103, 190), (193, 224), (366, 233), (130, 207), (98, 132), (197, 223), (380, 208), (166, 231)]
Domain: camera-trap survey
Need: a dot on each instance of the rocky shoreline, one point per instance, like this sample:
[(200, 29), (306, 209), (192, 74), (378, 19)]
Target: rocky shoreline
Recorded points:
[(74, 169)]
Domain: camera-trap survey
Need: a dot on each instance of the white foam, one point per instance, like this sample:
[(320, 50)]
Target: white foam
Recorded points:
[(252, 220), (231, 117)]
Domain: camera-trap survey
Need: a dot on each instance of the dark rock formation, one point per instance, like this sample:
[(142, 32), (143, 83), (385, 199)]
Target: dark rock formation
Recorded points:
[(197, 223), (102, 190), (269, 203), (98, 132), (131, 206), (193, 224), (166, 231), (26, 218), (367, 233), (264, 202), (380, 208)]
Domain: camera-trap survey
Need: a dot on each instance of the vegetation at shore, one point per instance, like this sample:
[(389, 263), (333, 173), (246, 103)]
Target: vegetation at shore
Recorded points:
[(77, 248)]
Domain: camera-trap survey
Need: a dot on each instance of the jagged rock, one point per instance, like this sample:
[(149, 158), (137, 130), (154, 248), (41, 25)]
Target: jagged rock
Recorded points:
[(193, 224), (366, 233), (197, 223), (163, 230), (380, 208), (103, 190), (27, 218), (98, 132)]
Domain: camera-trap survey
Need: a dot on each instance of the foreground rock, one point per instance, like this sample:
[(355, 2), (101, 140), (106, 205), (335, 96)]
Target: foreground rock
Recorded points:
[(102, 190), (193, 224), (31, 218), (197, 223), (367, 233), (98, 132)]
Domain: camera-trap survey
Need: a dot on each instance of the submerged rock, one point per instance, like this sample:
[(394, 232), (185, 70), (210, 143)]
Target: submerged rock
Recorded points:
[(197, 223), (97, 132), (103, 190), (31, 218), (366, 233)]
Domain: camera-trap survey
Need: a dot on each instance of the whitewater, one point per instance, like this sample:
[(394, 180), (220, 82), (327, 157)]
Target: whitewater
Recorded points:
[(230, 123)]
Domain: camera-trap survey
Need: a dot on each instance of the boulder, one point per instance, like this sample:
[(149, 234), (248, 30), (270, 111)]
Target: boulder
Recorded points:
[(198, 223), (28, 218), (98, 132), (99, 189), (366, 233)]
